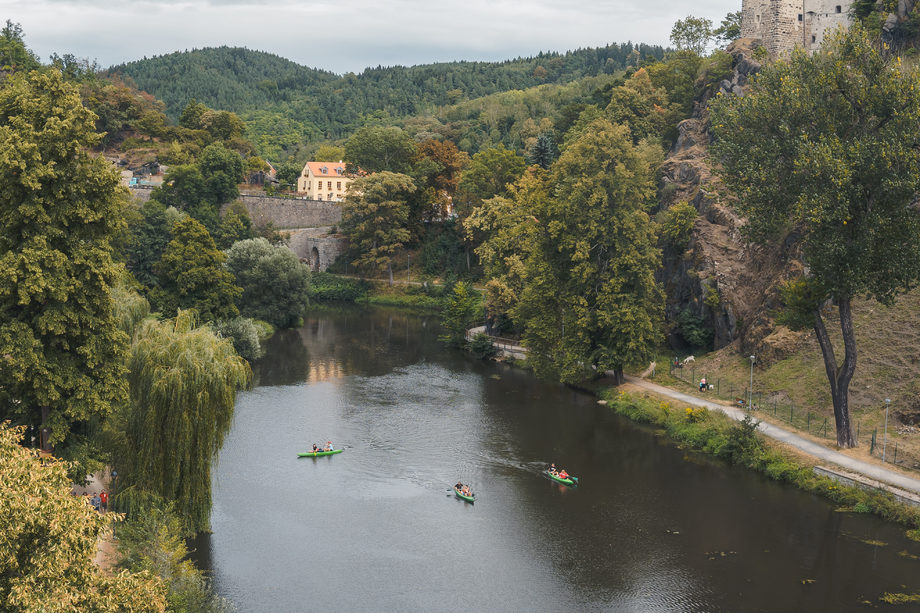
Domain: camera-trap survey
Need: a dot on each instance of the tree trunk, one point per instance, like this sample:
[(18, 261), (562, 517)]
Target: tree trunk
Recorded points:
[(839, 378), (45, 433), (390, 271), (618, 378)]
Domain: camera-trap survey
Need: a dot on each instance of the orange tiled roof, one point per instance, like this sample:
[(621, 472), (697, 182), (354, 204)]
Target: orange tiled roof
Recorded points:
[(316, 168)]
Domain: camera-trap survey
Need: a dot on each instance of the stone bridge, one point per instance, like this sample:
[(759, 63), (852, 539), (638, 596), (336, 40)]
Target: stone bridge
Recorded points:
[(309, 223)]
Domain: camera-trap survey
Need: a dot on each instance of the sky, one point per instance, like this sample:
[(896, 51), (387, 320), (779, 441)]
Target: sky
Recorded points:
[(347, 35)]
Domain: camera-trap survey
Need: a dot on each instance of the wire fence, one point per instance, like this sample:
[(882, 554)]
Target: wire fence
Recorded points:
[(777, 404)]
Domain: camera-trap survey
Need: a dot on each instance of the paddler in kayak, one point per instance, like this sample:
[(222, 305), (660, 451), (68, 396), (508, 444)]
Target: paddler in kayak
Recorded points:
[(328, 446), (316, 448), (552, 469), (459, 486), (563, 474), (466, 491)]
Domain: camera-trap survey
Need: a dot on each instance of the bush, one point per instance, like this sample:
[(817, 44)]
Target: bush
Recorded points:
[(693, 330), (328, 287), (481, 346), (676, 225), (245, 336)]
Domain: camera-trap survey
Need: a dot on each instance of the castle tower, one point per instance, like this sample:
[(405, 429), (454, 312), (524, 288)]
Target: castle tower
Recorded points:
[(785, 24)]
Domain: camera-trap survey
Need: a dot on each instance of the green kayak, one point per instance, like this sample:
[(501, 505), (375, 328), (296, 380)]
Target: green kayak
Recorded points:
[(569, 481), (316, 454), (464, 496)]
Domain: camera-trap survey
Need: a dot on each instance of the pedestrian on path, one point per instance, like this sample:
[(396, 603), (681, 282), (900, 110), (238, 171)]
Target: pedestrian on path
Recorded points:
[(104, 500), (95, 501)]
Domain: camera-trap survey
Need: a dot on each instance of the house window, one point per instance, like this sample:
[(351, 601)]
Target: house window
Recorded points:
[(800, 16), (319, 196), (338, 185), (325, 170), (837, 8), (330, 196), (329, 185), (339, 169)]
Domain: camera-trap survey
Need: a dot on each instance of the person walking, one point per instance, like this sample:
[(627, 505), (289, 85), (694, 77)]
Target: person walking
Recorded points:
[(95, 501), (104, 500)]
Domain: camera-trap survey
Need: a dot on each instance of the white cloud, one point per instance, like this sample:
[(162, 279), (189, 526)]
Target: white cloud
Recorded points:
[(345, 35)]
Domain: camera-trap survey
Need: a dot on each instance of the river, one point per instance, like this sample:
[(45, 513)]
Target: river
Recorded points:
[(650, 527)]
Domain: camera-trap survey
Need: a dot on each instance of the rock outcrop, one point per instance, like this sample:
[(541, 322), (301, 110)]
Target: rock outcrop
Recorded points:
[(721, 278)]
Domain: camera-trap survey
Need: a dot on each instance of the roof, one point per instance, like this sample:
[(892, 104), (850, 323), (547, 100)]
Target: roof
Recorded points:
[(333, 169)]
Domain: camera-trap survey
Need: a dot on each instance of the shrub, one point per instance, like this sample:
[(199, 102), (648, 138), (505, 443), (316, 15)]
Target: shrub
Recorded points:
[(328, 287), (676, 225), (481, 346), (245, 336)]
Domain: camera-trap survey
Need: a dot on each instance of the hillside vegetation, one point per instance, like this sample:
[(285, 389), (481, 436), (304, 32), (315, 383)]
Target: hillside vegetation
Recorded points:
[(284, 103)]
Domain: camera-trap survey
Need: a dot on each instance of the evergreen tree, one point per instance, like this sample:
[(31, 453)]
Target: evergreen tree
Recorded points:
[(543, 151), (60, 208), (191, 275)]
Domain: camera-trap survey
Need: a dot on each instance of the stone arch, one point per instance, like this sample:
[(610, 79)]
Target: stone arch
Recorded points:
[(314, 259)]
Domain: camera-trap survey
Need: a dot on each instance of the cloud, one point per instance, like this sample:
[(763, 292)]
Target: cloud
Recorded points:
[(345, 35)]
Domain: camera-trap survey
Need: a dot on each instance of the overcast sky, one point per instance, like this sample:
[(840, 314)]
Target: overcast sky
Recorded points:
[(347, 35)]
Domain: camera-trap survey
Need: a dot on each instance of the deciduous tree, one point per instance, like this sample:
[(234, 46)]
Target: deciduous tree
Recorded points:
[(48, 541), (824, 153), (183, 382), (590, 302), (377, 148), (275, 283), (191, 275), (61, 352), (692, 34), (374, 218)]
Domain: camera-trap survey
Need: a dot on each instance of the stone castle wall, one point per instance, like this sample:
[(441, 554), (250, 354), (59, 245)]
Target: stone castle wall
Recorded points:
[(283, 213), (785, 24)]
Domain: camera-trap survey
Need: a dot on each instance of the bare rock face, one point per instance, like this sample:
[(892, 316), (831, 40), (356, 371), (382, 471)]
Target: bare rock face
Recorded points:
[(720, 277)]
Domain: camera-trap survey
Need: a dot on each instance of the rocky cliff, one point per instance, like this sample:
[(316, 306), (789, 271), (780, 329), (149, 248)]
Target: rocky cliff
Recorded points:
[(729, 284)]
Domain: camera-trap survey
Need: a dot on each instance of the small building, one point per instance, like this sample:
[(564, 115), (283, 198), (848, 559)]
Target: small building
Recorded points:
[(784, 24), (323, 181)]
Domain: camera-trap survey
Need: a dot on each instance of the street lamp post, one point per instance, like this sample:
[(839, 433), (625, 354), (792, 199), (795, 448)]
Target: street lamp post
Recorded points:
[(751, 385), (885, 444)]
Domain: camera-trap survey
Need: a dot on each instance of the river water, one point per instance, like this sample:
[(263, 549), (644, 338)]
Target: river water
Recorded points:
[(650, 527)]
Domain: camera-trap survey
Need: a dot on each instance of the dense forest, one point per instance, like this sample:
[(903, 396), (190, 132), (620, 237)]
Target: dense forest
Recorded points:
[(285, 104)]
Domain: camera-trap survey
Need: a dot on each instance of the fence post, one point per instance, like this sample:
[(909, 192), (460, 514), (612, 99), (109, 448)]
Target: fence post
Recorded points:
[(718, 386), (693, 378), (774, 407), (825, 430), (731, 391), (857, 430), (895, 460), (808, 422), (872, 448)]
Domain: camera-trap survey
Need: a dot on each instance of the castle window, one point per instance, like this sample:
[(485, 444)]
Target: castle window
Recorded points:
[(800, 16), (838, 8), (813, 37)]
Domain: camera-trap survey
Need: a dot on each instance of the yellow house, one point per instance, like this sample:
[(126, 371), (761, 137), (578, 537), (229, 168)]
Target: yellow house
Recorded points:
[(323, 181)]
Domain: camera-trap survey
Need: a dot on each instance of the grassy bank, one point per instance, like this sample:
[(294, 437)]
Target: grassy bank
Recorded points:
[(738, 443), (327, 287)]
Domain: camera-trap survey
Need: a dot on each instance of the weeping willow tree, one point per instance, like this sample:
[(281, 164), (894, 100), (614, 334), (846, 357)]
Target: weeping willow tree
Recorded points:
[(183, 382)]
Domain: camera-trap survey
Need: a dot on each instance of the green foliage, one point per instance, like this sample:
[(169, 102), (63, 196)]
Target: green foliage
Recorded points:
[(801, 298), (328, 287), (820, 148), (244, 334), (489, 174), (275, 283), (376, 148), (676, 225), (183, 382), (543, 152), (590, 302), (61, 208), (235, 226), (151, 541), (712, 299), (48, 540), (730, 28), (130, 307), (693, 330), (442, 249), (328, 153), (460, 311), (481, 346), (14, 56), (222, 171), (374, 218), (275, 96), (149, 233), (191, 275), (692, 34)]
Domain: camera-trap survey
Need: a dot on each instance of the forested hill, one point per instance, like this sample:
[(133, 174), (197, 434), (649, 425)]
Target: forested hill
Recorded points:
[(266, 88)]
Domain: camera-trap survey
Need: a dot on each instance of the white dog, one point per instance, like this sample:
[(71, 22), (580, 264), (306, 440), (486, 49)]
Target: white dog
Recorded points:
[(689, 360)]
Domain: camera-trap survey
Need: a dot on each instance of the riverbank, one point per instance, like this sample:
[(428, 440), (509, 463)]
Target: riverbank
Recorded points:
[(713, 428)]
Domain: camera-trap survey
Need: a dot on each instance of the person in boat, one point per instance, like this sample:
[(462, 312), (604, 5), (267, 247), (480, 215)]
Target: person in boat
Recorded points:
[(563, 474), (328, 446), (459, 487), (315, 448), (466, 491), (552, 468)]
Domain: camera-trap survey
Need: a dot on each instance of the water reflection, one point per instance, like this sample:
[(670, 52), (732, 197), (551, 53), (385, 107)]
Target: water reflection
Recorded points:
[(650, 527)]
